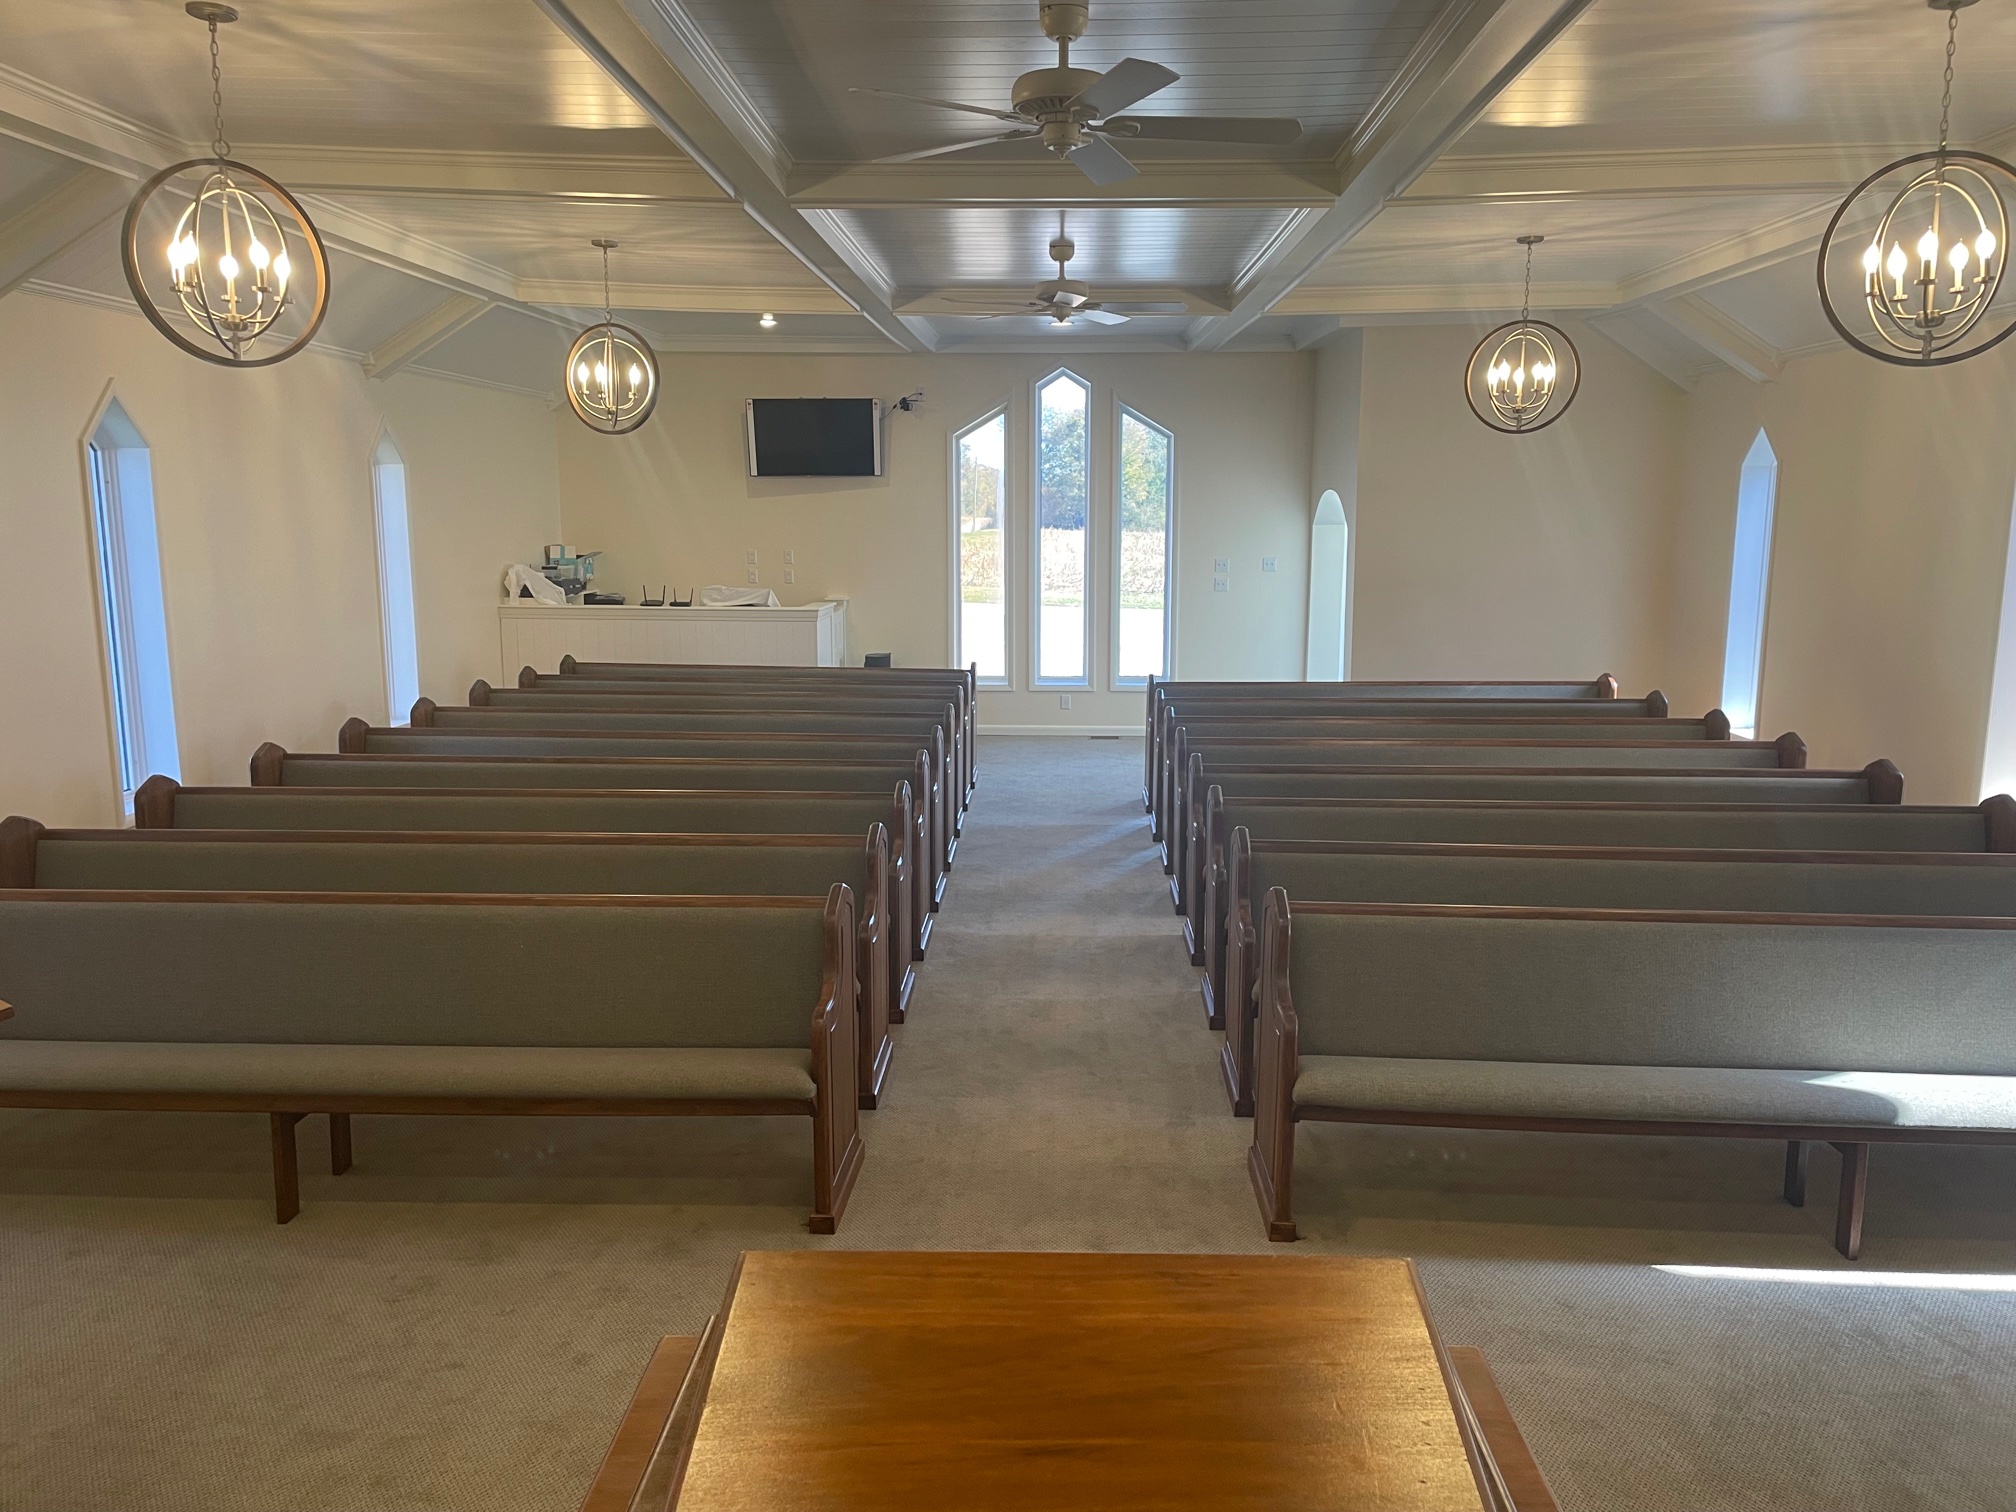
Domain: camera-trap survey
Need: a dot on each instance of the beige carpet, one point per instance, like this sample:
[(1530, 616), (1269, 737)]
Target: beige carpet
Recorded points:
[(457, 1323)]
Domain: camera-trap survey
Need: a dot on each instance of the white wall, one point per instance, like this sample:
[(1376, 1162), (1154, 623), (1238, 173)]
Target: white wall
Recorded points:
[(263, 501), (1484, 555), (1894, 493), (673, 502)]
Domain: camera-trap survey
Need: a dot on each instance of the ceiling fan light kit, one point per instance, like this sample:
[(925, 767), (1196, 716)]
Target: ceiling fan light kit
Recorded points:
[(1911, 267), (612, 373), (1524, 375), (1075, 113), (242, 279)]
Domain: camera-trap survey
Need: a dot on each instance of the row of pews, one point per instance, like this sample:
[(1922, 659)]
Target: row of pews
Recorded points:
[(621, 889), (1544, 906)]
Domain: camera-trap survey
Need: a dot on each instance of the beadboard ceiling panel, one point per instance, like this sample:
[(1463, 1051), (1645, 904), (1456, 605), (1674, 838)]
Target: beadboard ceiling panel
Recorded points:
[(926, 248), (1318, 60)]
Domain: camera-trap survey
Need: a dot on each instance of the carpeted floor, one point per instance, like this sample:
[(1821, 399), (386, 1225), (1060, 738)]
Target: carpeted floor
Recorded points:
[(457, 1323)]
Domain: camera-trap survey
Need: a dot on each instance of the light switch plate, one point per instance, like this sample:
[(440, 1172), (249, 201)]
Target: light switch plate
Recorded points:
[(752, 574), (1266, 564), (1063, 700), (749, 557), (790, 558), (789, 575), (1221, 585)]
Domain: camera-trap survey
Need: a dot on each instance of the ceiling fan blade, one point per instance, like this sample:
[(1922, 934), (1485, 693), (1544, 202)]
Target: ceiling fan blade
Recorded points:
[(1127, 82), (1264, 131), (1149, 307), (891, 94), (1103, 317), (931, 152), (1100, 161)]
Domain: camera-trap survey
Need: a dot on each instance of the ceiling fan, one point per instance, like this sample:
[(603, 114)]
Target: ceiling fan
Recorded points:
[(1076, 112), (1063, 299)]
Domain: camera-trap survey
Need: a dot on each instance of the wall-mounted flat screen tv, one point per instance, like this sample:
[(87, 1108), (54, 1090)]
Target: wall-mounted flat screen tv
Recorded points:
[(815, 438)]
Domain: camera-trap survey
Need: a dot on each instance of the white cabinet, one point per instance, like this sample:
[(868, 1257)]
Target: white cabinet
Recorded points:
[(537, 636)]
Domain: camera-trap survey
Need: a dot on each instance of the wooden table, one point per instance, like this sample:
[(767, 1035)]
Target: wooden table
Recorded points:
[(844, 1380)]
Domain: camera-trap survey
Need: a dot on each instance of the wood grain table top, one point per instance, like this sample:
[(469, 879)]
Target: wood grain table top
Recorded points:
[(1056, 1382)]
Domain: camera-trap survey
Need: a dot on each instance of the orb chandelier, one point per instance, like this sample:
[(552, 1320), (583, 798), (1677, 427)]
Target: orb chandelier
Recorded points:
[(612, 377), (1525, 374), (240, 277), (1912, 261)]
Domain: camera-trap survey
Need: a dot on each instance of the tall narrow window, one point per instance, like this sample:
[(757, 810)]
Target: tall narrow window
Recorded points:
[(1147, 490), (129, 595), (981, 500), (1749, 587), (395, 582), (1063, 534), (1329, 586)]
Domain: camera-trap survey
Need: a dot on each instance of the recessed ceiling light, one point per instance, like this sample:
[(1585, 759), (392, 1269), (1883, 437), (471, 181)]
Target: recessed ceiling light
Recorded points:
[(768, 322)]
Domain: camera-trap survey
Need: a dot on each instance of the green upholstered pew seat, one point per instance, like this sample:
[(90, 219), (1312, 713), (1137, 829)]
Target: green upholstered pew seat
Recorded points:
[(290, 1004), (32, 856), (1860, 883), (1847, 1028)]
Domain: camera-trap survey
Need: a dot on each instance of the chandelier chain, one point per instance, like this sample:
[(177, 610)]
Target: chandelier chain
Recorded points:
[(608, 308), (218, 144), (1526, 299), (1946, 98)]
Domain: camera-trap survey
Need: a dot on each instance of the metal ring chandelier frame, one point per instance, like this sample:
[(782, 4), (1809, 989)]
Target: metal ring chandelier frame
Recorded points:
[(612, 374), (1960, 200), (231, 260), (1523, 375)]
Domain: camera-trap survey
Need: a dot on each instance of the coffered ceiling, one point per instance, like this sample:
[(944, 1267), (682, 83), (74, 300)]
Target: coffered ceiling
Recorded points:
[(459, 155)]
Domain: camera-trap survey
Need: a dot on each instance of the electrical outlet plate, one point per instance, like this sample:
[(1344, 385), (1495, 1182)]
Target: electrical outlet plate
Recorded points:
[(749, 557), (1220, 585), (752, 574), (790, 558), (1222, 564), (1063, 700), (1266, 564), (790, 576)]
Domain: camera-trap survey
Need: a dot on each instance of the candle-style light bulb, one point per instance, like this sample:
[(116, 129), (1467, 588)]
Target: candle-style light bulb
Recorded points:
[(636, 376), (1928, 247), (257, 252), (228, 266), (1872, 260), (1895, 265), (581, 374), (1984, 248)]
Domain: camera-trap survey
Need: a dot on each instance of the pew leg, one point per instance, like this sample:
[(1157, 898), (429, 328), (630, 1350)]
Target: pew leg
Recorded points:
[(1854, 1195), (339, 1143), (1795, 1172), (286, 1168)]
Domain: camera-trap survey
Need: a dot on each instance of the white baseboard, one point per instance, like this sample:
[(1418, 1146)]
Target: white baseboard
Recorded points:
[(1078, 731)]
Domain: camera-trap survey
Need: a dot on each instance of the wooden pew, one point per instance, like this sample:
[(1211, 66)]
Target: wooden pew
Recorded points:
[(1987, 826), (963, 682), (291, 1004), (171, 860), (1295, 742), (1557, 876), (274, 766), (714, 702), (1850, 1029), (359, 737), (1250, 766), (1597, 699), (162, 803)]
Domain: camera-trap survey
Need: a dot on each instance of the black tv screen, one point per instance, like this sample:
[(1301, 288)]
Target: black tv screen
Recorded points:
[(815, 438)]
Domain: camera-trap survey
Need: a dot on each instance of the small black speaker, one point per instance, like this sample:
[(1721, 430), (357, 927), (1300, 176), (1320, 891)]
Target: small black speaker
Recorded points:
[(879, 659)]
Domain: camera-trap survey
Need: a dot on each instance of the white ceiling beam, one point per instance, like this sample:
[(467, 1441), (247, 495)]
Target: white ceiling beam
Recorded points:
[(1059, 186), (959, 299), (1765, 246), (642, 49), (486, 175), (1555, 177), (425, 334), (1472, 51), (1723, 336), (1432, 299), (720, 299), (85, 200)]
